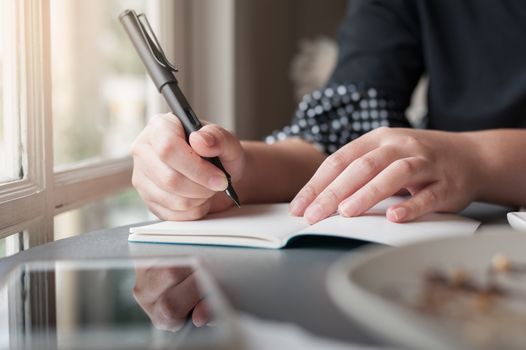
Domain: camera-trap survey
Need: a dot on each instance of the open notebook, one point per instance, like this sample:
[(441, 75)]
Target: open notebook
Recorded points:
[(272, 226)]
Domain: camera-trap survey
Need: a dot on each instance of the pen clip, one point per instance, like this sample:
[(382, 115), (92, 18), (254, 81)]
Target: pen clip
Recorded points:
[(149, 35)]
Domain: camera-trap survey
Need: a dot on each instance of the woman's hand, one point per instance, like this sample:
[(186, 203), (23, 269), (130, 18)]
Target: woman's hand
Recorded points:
[(172, 177), (439, 170)]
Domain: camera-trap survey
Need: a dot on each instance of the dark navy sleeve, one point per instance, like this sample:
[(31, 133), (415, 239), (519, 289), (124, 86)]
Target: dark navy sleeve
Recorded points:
[(379, 65)]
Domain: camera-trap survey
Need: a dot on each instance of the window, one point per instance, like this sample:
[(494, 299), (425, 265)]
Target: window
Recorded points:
[(10, 121), (4, 320), (97, 114), (73, 96)]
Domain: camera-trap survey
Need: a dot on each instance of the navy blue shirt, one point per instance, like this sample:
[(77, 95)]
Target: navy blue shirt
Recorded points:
[(472, 51)]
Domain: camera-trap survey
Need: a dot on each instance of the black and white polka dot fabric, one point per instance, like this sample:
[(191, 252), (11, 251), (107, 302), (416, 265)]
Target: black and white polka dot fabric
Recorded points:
[(340, 113)]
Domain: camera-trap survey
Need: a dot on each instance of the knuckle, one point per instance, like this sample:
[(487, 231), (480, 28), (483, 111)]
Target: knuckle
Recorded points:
[(157, 213), (308, 191), (412, 142), (165, 149), (367, 165), (198, 212), (137, 292), (212, 128), (168, 311), (172, 179), (331, 195), (336, 161), (380, 131), (373, 190), (183, 204), (174, 276), (155, 122), (406, 166), (197, 171), (433, 196)]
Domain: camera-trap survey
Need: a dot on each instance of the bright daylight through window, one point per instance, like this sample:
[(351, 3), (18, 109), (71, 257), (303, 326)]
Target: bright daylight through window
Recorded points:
[(98, 114), (98, 82), (10, 123)]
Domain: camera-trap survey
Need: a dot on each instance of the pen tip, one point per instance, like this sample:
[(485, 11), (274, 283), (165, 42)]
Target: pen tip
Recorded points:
[(233, 195)]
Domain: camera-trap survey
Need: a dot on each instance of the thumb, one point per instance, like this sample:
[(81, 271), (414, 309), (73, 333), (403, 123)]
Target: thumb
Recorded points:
[(214, 141)]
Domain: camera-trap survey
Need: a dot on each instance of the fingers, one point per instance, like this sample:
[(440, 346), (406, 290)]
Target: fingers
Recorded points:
[(214, 141), (173, 178), (402, 173), (148, 165), (428, 200), (326, 173), (178, 155), (166, 135), (171, 215), (172, 308), (152, 282), (201, 315), (166, 199), (168, 296), (356, 175)]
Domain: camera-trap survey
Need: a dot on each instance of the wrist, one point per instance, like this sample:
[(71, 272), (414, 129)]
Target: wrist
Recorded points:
[(476, 163)]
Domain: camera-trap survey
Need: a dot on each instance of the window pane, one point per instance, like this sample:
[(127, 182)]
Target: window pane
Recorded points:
[(121, 209), (4, 319), (10, 140), (98, 81), (13, 244)]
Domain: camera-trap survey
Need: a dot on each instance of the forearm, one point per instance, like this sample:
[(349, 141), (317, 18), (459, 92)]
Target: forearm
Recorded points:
[(274, 173), (502, 166)]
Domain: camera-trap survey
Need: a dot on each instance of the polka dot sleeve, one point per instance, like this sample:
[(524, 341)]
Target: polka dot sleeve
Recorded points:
[(340, 113)]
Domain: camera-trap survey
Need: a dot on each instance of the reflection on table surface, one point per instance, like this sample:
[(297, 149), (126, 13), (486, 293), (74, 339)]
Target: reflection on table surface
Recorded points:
[(170, 296), (113, 304)]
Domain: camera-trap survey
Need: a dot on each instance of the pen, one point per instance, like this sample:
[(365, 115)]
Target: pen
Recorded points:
[(161, 72)]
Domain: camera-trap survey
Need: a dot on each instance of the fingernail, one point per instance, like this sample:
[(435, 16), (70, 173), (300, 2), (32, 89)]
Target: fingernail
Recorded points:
[(314, 213), (217, 183), (297, 205), (207, 138), (199, 323), (399, 213)]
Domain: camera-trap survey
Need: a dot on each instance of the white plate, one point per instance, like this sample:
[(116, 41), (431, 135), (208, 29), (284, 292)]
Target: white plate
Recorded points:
[(517, 220), (358, 284)]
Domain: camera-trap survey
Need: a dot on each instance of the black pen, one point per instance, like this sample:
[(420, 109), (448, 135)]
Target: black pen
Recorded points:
[(162, 73)]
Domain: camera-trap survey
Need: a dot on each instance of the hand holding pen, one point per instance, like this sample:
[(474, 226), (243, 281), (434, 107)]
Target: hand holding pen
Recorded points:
[(171, 175), (205, 168)]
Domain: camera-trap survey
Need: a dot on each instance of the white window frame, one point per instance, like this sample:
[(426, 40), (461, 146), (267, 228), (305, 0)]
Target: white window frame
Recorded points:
[(30, 204)]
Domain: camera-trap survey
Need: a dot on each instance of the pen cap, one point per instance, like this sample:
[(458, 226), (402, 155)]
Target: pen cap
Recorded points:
[(146, 49)]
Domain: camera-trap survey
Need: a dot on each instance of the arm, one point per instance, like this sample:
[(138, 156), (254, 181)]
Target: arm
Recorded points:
[(502, 166), (276, 172)]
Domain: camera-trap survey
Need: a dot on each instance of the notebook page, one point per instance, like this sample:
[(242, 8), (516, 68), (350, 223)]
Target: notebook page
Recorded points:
[(266, 221), (376, 228)]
